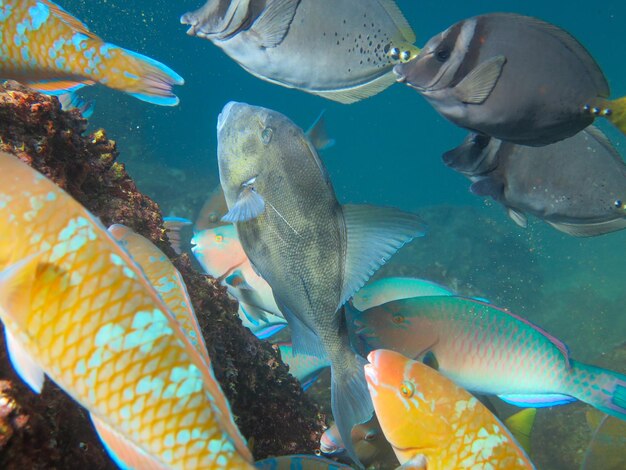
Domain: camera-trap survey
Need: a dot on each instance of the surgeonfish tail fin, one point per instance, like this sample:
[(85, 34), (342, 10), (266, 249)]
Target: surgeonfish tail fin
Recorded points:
[(140, 76), (350, 401), (604, 390), (616, 113)]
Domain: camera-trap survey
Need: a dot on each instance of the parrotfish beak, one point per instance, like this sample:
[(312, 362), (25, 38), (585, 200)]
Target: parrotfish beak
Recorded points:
[(371, 374)]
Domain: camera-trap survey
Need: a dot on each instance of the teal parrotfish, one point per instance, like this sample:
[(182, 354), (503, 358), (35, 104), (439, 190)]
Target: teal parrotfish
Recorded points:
[(489, 350), (343, 50), (51, 51), (313, 252)]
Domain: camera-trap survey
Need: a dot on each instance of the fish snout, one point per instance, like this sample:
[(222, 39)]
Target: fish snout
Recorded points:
[(371, 375)]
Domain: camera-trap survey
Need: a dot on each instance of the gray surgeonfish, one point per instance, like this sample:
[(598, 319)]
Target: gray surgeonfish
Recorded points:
[(343, 50), (577, 185), (314, 252), (512, 77)]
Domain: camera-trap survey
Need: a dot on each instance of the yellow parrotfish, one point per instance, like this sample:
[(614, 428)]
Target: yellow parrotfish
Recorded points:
[(76, 307), (45, 47), (433, 424)]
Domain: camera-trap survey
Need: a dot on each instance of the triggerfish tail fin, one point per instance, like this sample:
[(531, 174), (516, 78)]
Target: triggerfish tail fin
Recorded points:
[(521, 424), (140, 76), (350, 401), (601, 388), (616, 113)]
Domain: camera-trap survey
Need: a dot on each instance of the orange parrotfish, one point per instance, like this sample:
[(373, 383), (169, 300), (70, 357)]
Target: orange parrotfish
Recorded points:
[(48, 49), (432, 423), (76, 307)]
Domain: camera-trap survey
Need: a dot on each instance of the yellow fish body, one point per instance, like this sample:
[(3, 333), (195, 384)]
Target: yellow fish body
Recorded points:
[(433, 424), (48, 49), (75, 305)]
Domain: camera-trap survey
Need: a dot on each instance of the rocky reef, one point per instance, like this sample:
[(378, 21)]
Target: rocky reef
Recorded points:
[(50, 430)]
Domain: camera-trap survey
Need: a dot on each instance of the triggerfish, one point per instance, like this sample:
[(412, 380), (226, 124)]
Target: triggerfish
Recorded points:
[(577, 185), (78, 308), (432, 423), (512, 77), (488, 350), (343, 50), (313, 252), (46, 48)]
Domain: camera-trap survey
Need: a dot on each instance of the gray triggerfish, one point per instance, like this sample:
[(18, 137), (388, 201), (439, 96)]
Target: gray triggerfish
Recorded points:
[(512, 77), (577, 185), (343, 50), (314, 252)]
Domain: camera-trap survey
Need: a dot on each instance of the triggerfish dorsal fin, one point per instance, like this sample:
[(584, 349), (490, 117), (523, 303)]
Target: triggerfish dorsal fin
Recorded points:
[(560, 345), (69, 20), (124, 453), (521, 424)]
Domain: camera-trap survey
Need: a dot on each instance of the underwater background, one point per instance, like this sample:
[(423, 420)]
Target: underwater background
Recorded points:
[(388, 152)]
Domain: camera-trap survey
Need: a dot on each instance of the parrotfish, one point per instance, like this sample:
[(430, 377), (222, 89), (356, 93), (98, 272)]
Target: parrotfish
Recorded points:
[(212, 211), (512, 77), (78, 308), (432, 423), (299, 462), (303, 367), (488, 350), (314, 253), (387, 289), (343, 50), (49, 50), (577, 185)]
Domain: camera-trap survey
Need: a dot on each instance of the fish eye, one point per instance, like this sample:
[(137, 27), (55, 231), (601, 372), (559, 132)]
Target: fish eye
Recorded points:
[(405, 56), (394, 53), (442, 55), (398, 319), (219, 238), (266, 135), (618, 204), (213, 218), (370, 436), (406, 389)]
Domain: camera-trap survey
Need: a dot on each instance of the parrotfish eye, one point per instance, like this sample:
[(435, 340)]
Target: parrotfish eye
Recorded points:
[(442, 54), (219, 238), (266, 135), (371, 435), (213, 218), (406, 389), (318, 452), (397, 319)]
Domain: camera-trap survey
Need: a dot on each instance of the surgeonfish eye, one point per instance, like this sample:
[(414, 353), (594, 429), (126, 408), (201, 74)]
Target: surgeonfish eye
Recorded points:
[(394, 53), (266, 135), (405, 56), (406, 389), (619, 204), (442, 55)]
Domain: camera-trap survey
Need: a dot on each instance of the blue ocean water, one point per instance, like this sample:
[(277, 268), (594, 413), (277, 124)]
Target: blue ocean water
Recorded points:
[(388, 152)]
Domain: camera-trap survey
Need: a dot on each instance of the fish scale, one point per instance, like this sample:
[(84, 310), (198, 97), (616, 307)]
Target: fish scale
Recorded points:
[(84, 311)]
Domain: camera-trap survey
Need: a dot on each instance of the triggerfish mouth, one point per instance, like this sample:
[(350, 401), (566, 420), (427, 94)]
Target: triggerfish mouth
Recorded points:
[(46, 48), (78, 308), (433, 424)]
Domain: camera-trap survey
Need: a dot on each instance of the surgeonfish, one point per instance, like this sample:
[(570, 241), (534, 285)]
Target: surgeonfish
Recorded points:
[(313, 252), (577, 185), (303, 367), (299, 462), (76, 307), (434, 424), (512, 77), (488, 350), (607, 449), (343, 50), (386, 289), (49, 50)]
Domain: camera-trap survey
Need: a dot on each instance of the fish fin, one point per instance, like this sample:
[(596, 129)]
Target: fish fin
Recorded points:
[(417, 462), (488, 187), (304, 340), (538, 400), (318, 134), (249, 205), (24, 365), (518, 217), (605, 390), (594, 418), (590, 230), (269, 331), (255, 314), (173, 227), (351, 402), (58, 87), (272, 25), (310, 380), (123, 452), (355, 327), (69, 19), (603, 140), (477, 85), (607, 446), (373, 234), (73, 100), (617, 115), (521, 424), (393, 10), (431, 360), (358, 93)]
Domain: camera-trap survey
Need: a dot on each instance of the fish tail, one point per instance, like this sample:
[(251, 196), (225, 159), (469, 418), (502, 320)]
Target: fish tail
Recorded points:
[(138, 75), (601, 388), (350, 400), (615, 112)]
